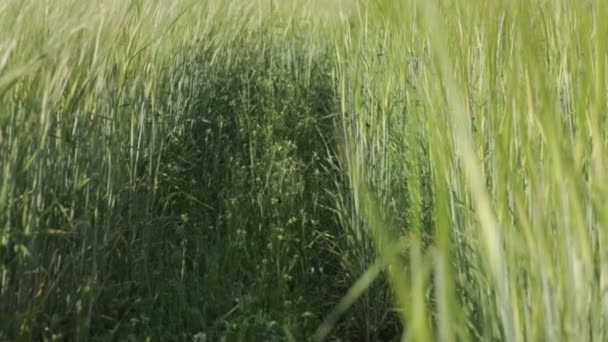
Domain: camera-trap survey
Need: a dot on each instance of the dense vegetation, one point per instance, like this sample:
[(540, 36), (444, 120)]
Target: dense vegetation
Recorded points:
[(257, 170)]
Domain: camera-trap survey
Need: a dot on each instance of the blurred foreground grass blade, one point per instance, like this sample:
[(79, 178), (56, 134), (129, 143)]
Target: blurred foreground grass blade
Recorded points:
[(489, 227), (353, 294)]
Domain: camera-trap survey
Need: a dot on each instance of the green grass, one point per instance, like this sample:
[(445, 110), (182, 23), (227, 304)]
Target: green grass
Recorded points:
[(305, 170)]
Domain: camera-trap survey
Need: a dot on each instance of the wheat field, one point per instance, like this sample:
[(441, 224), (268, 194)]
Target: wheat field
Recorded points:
[(385, 170)]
